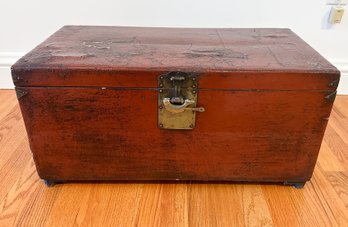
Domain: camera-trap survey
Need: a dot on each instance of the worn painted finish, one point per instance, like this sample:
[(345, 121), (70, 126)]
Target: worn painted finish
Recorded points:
[(89, 133), (133, 57), (89, 101), (243, 80)]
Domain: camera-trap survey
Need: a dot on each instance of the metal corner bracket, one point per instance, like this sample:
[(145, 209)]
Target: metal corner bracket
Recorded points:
[(20, 92)]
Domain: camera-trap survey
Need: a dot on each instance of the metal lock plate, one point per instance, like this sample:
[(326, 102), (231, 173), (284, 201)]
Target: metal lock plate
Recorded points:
[(177, 100)]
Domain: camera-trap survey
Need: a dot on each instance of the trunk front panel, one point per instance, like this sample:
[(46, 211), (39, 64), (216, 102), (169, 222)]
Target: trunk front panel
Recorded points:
[(112, 134)]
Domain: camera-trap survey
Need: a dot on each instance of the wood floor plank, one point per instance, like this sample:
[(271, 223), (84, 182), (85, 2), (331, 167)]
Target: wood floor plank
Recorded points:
[(8, 100), (339, 182), (70, 203), (95, 204), (167, 208), (340, 125), (12, 169), (12, 133), (333, 206), (255, 209), (328, 160), (19, 194), (26, 201), (13, 149), (341, 107), (338, 147), (215, 205), (281, 206), (38, 207)]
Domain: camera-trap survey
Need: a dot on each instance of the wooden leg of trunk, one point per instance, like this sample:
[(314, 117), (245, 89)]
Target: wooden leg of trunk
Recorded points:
[(49, 183), (297, 185)]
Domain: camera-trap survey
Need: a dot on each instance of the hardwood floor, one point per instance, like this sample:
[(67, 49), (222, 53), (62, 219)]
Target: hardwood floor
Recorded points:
[(26, 201)]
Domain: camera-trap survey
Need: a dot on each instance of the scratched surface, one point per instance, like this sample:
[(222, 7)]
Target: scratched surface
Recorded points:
[(111, 134), (134, 57), (88, 96), (175, 48)]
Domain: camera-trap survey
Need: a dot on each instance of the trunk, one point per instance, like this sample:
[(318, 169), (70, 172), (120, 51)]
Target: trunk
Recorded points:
[(117, 103)]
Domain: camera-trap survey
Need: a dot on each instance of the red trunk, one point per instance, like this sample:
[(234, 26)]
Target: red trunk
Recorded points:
[(91, 102)]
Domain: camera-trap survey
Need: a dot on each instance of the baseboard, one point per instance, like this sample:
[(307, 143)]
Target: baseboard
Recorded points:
[(8, 58)]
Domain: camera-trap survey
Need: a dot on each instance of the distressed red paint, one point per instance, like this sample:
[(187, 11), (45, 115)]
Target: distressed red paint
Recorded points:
[(88, 96)]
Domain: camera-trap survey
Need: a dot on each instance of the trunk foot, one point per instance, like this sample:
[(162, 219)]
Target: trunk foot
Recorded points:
[(50, 183), (297, 185)]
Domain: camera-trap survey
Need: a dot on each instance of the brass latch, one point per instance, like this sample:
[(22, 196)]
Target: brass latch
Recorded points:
[(177, 99)]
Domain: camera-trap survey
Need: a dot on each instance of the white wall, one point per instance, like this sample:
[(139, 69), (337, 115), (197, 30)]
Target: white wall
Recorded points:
[(24, 24)]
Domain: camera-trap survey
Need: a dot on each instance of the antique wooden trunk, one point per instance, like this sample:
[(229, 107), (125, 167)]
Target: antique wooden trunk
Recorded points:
[(127, 103)]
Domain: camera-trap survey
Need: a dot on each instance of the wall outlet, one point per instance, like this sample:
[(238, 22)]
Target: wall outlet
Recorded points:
[(336, 14)]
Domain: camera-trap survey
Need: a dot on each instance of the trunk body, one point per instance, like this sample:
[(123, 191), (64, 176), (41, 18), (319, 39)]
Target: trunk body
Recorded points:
[(90, 99)]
